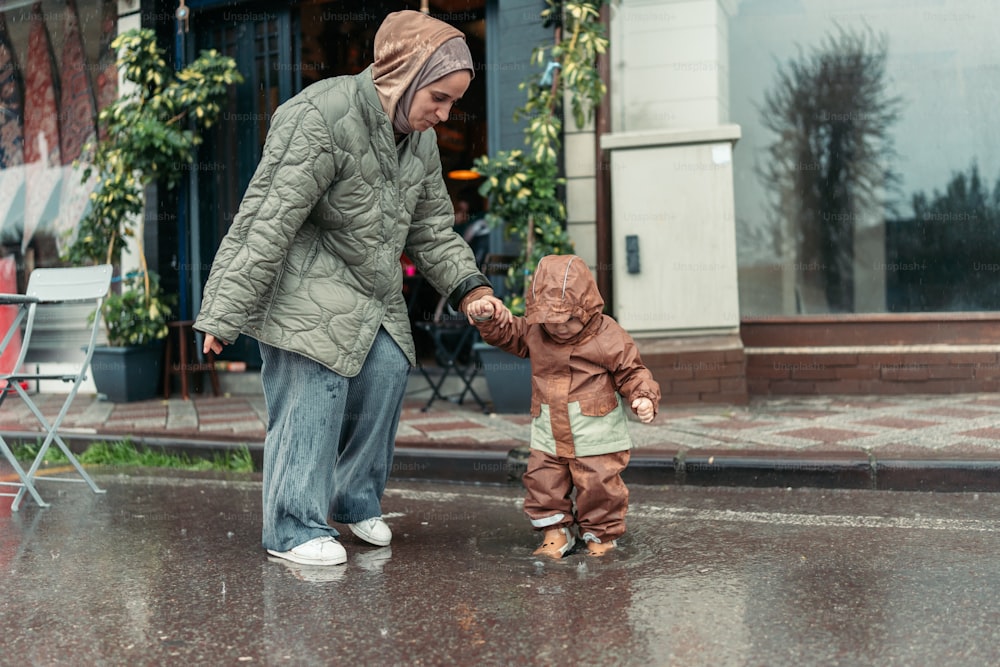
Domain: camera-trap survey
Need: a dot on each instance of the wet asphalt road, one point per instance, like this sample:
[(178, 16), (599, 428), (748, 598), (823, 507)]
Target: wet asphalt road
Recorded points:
[(168, 571)]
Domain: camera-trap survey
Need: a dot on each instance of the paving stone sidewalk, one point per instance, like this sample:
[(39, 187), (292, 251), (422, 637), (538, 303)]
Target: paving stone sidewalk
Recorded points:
[(960, 427)]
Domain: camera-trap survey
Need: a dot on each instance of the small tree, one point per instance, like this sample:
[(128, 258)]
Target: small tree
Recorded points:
[(949, 249), (829, 162), (965, 198), (151, 136), (523, 188)]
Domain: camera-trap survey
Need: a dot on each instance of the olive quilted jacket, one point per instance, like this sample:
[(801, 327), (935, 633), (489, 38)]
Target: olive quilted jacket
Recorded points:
[(311, 262)]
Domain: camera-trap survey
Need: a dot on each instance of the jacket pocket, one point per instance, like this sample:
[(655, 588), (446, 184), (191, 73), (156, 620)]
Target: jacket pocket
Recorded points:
[(302, 253), (537, 391), (312, 251), (599, 405), (268, 299)]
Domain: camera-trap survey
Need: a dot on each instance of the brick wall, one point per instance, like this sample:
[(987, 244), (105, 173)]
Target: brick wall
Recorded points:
[(938, 353), (708, 369), (890, 370)]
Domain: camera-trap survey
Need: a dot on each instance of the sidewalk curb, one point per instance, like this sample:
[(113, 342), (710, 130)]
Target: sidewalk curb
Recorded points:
[(462, 465)]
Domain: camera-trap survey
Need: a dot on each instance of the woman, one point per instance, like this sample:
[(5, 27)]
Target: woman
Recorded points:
[(349, 179)]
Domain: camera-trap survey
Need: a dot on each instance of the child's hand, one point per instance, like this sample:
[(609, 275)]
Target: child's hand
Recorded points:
[(480, 311), (643, 408), (502, 314)]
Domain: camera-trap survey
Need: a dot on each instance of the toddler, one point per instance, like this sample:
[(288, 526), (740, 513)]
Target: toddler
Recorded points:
[(582, 363)]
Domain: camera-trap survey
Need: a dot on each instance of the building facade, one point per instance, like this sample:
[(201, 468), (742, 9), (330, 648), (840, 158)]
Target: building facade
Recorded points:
[(853, 141), (685, 193)]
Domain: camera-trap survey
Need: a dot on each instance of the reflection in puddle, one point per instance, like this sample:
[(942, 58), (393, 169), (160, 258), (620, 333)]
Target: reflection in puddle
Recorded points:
[(317, 574)]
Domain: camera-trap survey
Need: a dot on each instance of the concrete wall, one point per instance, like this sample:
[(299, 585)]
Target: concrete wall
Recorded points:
[(671, 150), (670, 64)]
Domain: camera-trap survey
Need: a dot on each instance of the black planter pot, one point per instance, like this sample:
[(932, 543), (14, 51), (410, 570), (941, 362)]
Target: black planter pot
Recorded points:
[(125, 374), (508, 377)]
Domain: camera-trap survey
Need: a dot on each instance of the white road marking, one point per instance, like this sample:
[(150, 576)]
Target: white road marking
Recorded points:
[(735, 516), (663, 511), (816, 520)]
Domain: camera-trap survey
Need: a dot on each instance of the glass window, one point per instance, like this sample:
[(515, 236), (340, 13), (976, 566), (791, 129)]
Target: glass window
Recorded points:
[(866, 178)]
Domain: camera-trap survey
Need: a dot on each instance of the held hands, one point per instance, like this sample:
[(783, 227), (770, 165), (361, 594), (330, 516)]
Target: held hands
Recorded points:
[(488, 308), (480, 311), (643, 408)]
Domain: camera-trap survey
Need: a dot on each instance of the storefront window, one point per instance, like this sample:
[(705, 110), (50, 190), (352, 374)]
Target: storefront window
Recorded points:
[(866, 178)]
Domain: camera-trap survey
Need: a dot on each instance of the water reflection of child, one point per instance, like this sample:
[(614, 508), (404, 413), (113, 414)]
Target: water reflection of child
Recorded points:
[(582, 361)]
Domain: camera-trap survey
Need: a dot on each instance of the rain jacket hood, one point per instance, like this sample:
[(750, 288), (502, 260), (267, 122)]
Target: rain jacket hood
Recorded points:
[(562, 288)]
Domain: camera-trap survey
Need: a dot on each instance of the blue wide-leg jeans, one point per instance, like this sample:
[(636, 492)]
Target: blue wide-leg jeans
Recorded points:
[(330, 439)]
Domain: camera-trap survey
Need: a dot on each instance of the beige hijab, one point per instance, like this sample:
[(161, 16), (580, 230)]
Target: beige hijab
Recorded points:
[(409, 55)]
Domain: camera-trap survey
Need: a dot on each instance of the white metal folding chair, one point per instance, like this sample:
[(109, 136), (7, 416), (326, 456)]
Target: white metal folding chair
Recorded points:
[(46, 287)]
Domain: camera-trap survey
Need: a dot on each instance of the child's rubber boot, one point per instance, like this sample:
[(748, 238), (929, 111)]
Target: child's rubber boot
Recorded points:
[(555, 543), (600, 548)]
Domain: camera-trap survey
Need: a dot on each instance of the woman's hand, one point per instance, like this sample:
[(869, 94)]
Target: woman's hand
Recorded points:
[(213, 344)]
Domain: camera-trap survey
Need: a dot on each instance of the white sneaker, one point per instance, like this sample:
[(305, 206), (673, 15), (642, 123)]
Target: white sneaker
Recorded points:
[(374, 531), (317, 551)]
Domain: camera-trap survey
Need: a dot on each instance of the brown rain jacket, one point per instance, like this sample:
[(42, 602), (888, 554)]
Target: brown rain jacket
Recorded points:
[(575, 384)]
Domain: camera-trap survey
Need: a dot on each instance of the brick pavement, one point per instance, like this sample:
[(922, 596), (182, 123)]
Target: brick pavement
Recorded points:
[(928, 443), (962, 426)]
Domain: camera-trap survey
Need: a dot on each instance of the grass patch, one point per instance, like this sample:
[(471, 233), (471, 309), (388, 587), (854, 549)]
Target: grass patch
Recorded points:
[(124, 453)]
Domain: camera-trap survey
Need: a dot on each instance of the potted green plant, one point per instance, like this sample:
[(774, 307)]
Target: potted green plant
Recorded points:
[(151, 137), (135, 319), (524, 188)]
